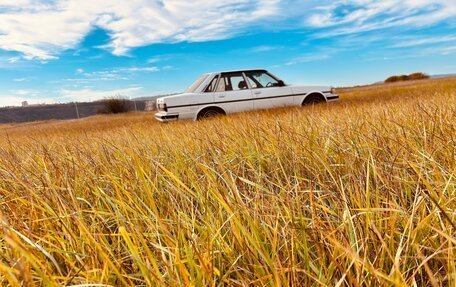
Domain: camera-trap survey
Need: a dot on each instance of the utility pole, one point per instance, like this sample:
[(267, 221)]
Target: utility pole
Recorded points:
[(77, 109)]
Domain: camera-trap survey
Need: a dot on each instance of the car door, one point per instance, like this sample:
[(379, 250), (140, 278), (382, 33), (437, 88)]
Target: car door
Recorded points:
[(233, 93), (268, 91)]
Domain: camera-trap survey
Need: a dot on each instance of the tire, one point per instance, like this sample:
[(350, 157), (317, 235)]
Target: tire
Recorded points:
[(210, 113), (313, 100)]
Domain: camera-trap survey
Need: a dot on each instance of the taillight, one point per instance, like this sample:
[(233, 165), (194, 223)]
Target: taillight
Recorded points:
[(333, 91), (162, 107)]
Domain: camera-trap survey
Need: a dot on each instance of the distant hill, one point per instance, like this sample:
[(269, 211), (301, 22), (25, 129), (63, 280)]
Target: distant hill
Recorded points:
[(377, 85), (443, 76), (67, 111), (57, 111)]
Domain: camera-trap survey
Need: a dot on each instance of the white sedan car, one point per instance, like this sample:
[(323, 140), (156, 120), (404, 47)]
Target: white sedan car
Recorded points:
[(223, 93)]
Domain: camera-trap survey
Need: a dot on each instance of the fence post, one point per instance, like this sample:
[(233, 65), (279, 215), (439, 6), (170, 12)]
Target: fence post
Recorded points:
[(77, 109)]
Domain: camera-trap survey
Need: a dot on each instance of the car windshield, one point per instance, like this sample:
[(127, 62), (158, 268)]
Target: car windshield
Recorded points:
[(196, 84), (261, 79)]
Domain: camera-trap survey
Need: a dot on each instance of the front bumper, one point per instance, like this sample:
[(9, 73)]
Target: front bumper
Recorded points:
[(332, 98), (166, 117)]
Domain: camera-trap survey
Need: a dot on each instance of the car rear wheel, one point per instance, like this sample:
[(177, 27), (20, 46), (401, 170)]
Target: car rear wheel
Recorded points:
[(210, 113), (313, 99)]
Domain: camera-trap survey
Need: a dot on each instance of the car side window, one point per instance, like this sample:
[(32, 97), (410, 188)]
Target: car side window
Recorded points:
[(232, 82), (238, 82), (252, 83), (212, 85), (261, 80), (223, 84)]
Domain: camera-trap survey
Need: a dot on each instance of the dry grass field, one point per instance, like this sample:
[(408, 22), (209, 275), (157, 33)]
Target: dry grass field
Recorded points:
[(357, 193)]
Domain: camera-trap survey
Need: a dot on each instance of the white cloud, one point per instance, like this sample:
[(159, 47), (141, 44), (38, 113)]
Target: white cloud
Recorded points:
[(446, 50), (13, 3), (13, 60), (265, 48), (11, 100), (81, 95), (87, 95), (316, 56), (26, 92), (411, 42), (116, 74), (345, 17), (308, 58), (16, 97), (42, 29), (136, 69), (8, 101), (154, 60)]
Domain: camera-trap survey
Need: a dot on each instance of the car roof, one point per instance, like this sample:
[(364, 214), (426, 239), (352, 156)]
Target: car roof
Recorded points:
[(238, 71)]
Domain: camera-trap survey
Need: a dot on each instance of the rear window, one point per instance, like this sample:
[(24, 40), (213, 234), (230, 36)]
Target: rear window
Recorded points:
[(196, 84), (211, 87)]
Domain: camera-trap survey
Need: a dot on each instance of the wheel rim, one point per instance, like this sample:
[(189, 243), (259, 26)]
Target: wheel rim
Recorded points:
[(209, 114)]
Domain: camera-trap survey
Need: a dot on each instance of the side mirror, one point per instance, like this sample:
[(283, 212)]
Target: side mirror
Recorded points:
[(280, 83)]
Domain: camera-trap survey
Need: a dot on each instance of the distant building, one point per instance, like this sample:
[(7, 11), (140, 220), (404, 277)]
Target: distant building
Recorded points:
[(25, 104)]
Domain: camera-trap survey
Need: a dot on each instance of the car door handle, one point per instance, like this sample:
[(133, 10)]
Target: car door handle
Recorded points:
[(222, 96), (257, 93)]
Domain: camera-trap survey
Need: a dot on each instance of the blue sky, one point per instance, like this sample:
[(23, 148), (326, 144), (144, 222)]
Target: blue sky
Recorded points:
[(85, 50)]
